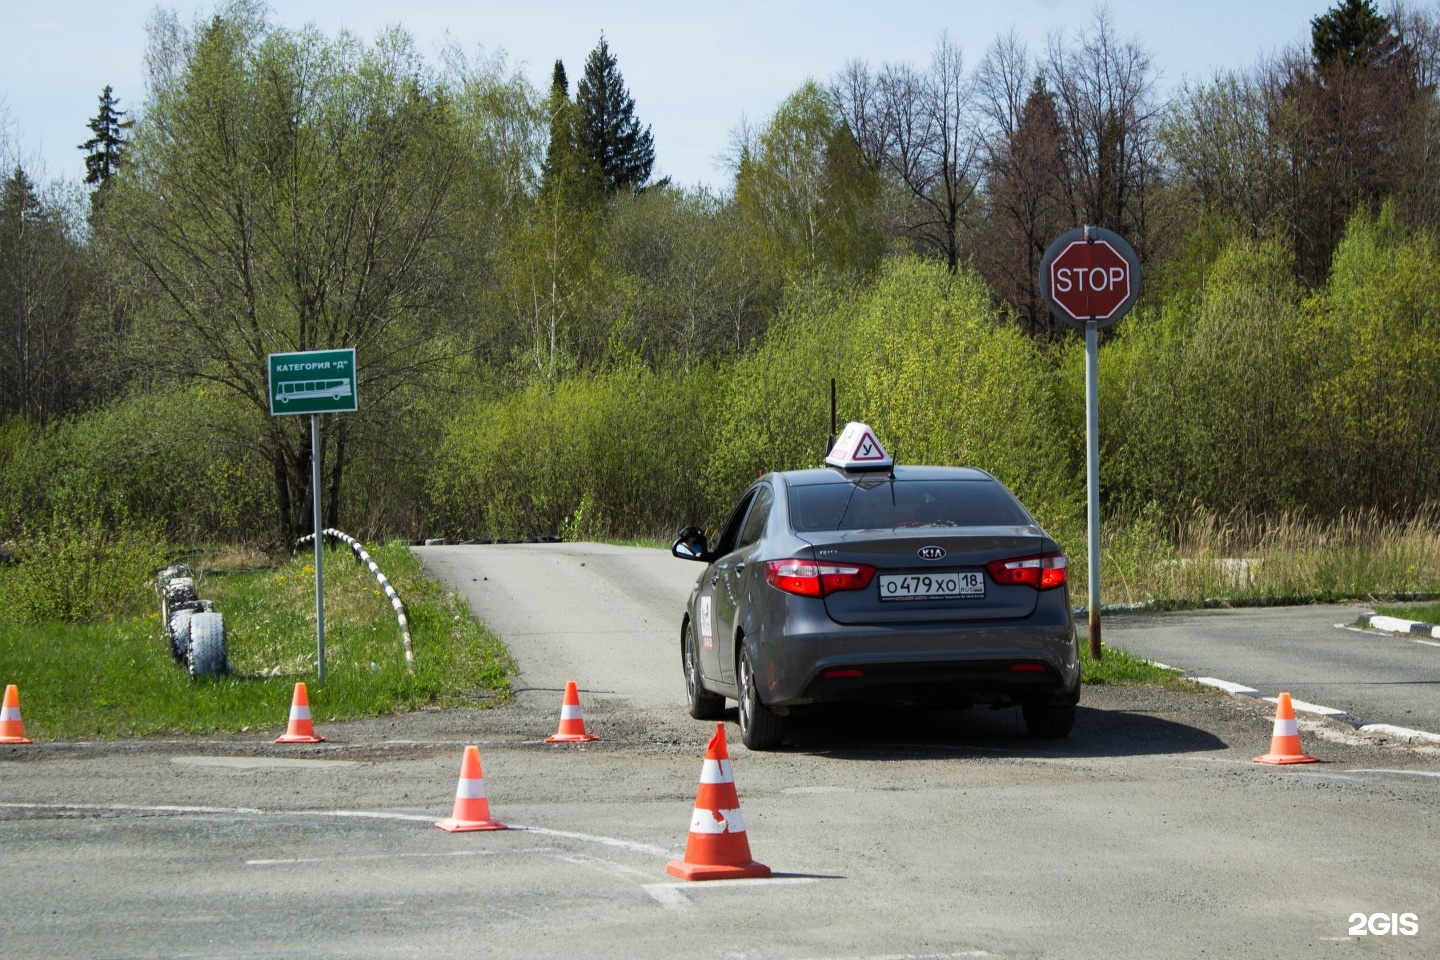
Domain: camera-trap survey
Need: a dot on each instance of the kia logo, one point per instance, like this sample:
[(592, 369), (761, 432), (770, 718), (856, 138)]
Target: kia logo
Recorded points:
[(931, 553)]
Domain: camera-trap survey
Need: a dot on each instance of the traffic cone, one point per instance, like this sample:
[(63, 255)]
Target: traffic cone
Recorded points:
[(12, 728), (301, 730), (1285, 744), (572, 724), (472, 809), (717, 849)]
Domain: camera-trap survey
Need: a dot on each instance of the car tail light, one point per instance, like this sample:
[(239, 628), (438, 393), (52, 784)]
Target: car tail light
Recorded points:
[(1041, 571), (809, 579)]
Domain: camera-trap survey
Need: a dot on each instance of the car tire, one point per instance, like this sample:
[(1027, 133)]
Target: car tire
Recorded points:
[(1048, 720), (180, 634), (703, 704), (760, 729), (207, 645)]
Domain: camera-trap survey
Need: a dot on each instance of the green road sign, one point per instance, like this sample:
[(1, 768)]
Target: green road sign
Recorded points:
[(316, 381)]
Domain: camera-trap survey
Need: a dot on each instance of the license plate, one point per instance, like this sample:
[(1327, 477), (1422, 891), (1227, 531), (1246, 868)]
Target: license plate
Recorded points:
[(932, 586)]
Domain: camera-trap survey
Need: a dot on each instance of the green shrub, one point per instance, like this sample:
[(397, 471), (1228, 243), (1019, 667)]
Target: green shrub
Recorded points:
[(181, 459), (923, 358), (604, 455), (81, 572)]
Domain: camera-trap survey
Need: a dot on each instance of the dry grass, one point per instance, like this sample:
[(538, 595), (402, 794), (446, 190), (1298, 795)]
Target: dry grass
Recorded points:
[(1205, 559)]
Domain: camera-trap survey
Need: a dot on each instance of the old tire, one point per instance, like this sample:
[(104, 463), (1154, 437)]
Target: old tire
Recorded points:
[(207, 645), (180, 634), (703, 704), (760, 729)]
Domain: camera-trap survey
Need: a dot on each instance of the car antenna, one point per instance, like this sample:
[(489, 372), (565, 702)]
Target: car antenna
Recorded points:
[(830, 444)]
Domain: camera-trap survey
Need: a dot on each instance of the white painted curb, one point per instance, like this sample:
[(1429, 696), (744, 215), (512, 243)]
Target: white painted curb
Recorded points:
[(1301, 706)]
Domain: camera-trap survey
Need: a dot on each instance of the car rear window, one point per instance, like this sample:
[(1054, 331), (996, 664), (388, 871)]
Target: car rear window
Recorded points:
[(870, 505)]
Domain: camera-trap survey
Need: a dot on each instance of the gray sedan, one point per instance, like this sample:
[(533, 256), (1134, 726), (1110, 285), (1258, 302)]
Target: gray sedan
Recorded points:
[(900, 584)]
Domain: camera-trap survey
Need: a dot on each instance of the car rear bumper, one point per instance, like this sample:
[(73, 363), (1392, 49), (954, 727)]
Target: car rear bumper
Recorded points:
[(943, 682), (815, 660)]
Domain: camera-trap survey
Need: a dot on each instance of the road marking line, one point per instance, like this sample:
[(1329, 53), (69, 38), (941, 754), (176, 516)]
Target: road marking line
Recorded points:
[(668, 896), (377, 856), (918, 956), (1407, 773), (618, 870), (751, 882), (133, 808), (643, 848)]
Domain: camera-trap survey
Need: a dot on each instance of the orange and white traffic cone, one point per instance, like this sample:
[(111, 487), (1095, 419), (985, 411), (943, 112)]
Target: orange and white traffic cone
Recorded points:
[(717, 849), (1285, 743), (472, 808), (12, 728), (301, 729), (572, 724)]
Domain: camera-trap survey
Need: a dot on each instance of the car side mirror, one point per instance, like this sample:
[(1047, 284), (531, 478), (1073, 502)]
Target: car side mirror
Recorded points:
[(691, 545)]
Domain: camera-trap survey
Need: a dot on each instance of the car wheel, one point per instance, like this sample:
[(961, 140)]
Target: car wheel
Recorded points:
[(180, 634), (207, 645), (703, 704), (1048, 720), (759, 728)]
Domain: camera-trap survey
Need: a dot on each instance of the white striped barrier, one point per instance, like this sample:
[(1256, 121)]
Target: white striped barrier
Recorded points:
[(395, 601)]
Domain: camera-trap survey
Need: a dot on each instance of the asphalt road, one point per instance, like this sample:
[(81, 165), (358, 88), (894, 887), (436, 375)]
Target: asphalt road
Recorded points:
[(1313, 653), (1148, 833)]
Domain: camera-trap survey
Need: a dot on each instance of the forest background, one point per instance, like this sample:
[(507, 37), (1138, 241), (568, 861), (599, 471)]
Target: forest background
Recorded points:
[(550, 343)]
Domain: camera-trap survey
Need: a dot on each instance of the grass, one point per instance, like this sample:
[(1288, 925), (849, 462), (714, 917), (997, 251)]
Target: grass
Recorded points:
[(1117, 667), (1420, 612), (113, 678), (116, 679), (1206, 560)]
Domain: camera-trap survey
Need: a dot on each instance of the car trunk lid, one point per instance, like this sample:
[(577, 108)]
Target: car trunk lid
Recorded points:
[(929, 575)]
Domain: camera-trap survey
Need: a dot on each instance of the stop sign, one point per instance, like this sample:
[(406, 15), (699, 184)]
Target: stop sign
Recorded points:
[(1090, 273)]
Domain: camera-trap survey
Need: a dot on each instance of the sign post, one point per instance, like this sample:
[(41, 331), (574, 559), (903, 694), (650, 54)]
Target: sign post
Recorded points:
[(314, 382), (1090, 277)]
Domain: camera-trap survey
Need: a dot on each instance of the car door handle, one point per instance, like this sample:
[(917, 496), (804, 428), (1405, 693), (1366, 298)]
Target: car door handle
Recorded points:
[(715, 579), (740, 567)]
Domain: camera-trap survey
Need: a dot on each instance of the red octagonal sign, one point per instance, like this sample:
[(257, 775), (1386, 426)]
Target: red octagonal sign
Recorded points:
[(1090, 274)]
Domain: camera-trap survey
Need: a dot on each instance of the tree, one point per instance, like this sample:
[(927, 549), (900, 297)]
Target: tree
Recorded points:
[(1026, 208), (105, 151), (1355, 95), (1353, 34), (41, 290), (614, 149), (691, 285), (1103, 88), (809, 191), (566, 176), (284, 192), (1223, 144), (919, 127)]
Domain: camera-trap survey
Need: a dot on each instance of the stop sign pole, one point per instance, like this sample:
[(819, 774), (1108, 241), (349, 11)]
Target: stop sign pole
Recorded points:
[(1090, 277)]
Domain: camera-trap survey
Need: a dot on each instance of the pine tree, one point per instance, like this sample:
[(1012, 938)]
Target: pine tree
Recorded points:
[(614, 149), (105, 151), (562, 179), (1352, 33)]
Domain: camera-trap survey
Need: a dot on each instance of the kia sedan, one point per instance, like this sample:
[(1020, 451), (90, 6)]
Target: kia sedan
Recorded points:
[(905, 585)]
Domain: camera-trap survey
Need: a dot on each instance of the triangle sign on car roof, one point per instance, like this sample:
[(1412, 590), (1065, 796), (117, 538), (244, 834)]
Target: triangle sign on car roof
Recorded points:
[(857, 448)]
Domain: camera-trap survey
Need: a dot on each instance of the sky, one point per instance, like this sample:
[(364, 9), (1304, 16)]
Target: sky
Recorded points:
[(694, 67)]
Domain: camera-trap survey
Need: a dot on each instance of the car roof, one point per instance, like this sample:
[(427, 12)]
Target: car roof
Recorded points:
[(807, 478)]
